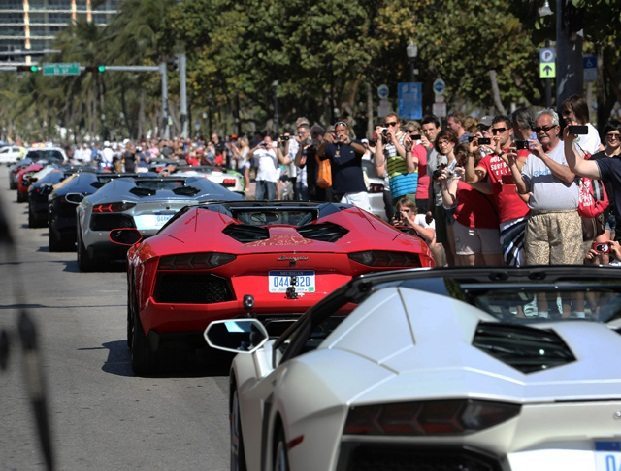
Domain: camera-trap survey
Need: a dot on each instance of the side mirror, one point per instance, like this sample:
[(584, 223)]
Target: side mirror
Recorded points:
[(125, 236), (75, 198), (236, 335)]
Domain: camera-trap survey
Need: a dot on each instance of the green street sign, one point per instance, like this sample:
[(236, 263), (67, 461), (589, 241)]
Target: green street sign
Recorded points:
[(61, 68), (547, 70)]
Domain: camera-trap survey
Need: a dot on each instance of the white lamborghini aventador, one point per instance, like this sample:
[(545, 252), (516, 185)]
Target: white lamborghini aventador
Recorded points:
[(457, 369)]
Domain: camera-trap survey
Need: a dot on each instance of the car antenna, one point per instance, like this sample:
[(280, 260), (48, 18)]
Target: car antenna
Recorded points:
[(32, 364)]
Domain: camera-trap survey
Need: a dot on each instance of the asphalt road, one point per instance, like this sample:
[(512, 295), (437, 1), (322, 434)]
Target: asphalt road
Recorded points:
[(102, 416)]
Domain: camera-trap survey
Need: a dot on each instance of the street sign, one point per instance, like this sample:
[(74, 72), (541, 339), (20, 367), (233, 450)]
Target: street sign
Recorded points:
[(382, 91), (547, 71), (410, 100), (589, 64), (383, 108), (547, 55), (439, 109), (61, 68), (439, 86)]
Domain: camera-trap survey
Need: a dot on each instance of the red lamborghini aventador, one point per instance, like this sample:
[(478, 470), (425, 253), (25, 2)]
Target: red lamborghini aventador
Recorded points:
[(269, 259)]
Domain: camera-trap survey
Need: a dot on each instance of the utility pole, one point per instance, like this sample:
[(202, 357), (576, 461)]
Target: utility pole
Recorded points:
[(569, 73), (164, 75), (183, 101)]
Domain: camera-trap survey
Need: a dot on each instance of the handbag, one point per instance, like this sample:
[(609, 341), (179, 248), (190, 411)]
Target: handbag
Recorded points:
[(324, 174)]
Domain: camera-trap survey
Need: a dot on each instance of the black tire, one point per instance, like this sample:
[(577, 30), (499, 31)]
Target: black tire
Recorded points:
[(280, 458), (13, 185), (54, 244), (21, 197), (143, 357), (32, 221), (85, 262), (238, 453)]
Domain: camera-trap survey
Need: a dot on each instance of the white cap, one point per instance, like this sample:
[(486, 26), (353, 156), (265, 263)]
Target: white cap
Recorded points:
[(106, 143)]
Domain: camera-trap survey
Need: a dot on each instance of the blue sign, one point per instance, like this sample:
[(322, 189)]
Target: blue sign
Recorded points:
[(439, 86), (410, 100), (589, 64)]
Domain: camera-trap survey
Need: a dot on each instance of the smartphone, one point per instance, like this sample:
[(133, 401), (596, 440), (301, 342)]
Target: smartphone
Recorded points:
[(521, 144), (415, 137), (578, 130), (484, 141)]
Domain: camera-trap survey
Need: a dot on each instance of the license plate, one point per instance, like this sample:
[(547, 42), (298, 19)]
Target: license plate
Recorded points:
[(279, 281), (607, 456), (147, 222)]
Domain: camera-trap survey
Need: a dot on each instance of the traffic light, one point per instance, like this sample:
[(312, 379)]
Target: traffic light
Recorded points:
[(95, 69), (28, 68)]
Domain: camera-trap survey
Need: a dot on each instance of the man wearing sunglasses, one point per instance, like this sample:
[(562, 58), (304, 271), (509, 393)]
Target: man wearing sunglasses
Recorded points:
[(493, 168), (554, 230)]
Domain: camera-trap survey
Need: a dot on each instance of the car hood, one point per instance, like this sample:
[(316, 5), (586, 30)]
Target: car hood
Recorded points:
[(428, 353)]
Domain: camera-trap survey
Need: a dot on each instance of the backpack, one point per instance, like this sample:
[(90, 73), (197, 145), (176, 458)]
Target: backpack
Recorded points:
[(592, 197)]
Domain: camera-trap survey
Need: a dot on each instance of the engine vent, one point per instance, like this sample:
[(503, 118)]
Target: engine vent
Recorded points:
[(245, 233), (186, 190), (326, 232), (526, 349), (142, 191), (192, 288)]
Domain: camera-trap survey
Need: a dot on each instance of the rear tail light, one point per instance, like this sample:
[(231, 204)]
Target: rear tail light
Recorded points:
[(385, 258), (113, 207), (376, 188), (229, 182), (423, 418), (195, 261)]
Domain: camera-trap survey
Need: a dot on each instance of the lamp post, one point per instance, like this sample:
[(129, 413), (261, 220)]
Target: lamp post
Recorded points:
[(412, 51), (543, 12), (275, 86)]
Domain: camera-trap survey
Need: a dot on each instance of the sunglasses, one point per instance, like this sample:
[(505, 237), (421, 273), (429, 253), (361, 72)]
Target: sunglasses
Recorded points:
[(498, 130), (392, 123), (613, 135), (544, 128)]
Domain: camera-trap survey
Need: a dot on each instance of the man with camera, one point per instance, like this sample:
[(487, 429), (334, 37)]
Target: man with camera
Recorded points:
[(345, 156), (512, 209), (554, 229), (266, 157)]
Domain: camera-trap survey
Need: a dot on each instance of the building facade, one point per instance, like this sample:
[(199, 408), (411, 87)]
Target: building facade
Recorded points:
[(28, 27)]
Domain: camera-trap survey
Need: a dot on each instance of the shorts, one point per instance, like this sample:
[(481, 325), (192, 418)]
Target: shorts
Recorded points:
[(476, 241)]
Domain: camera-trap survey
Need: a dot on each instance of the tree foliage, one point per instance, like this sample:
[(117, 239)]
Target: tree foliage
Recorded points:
[(319, 58)]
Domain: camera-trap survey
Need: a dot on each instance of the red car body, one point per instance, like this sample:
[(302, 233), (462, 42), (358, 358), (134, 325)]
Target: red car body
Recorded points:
[(23, 182), (202, 264)]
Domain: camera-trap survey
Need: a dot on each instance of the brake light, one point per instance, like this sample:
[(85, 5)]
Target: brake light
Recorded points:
[(195, 261), (229, 182), (423, 418), (386, 258), (113, 207)]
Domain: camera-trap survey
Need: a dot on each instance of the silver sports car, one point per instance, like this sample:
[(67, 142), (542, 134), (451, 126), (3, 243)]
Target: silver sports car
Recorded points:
[(143, 203), (458, 369)]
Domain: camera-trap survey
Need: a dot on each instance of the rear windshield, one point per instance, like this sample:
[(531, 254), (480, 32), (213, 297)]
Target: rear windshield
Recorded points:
[(45, 154), (541, 301), (261, 217)]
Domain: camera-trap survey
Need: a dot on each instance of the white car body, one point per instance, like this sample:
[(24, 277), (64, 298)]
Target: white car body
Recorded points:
[(11, 154), (404, 348)]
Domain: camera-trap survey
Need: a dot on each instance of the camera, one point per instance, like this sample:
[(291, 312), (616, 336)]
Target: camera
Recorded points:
[(578, 129), (415, 137), (384, 132), (470, 138), (521, 144), (284, 137), (438, 172), (602, 247), (484, 141)]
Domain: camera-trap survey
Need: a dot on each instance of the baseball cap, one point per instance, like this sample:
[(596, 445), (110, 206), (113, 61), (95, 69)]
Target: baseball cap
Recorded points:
[(485, 121)]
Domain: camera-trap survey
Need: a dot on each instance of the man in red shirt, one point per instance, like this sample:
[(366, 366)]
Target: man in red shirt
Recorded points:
[(511, 207)]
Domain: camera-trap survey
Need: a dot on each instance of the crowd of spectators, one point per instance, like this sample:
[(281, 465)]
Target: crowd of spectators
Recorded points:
[(488, 191)]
